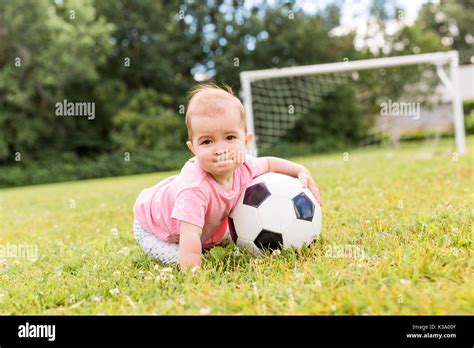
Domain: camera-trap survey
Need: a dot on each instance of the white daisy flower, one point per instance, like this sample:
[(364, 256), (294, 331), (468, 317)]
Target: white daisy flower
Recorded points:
[(114, 291), (205, 311), (405, 281)]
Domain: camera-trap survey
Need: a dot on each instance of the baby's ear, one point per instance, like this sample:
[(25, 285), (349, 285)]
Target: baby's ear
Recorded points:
[(190, 146), (248, 138)]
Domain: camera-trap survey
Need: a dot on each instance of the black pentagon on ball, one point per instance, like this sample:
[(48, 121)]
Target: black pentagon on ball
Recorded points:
[(233, 233), (267, 240), (256, 194), (304, 207)]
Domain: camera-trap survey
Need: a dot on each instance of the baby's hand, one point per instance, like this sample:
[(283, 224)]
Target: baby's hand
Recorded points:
[(307, 181)]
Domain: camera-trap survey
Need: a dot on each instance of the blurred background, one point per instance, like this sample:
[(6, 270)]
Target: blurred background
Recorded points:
[(135, 60)]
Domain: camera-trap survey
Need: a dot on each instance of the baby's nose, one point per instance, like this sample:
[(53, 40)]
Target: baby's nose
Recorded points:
[(218, 152)]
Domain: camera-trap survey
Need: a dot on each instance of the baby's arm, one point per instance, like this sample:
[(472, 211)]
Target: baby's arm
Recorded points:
[(190, 247), (279, 165)]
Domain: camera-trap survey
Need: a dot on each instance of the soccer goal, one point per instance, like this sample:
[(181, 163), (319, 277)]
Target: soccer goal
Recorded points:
[(378, 101)]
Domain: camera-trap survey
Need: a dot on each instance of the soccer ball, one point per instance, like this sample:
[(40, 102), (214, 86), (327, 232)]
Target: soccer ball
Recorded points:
[(275, 211)]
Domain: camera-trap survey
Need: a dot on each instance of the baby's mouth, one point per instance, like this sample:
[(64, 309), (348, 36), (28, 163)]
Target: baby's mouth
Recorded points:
[(224, 158), (224, 161)]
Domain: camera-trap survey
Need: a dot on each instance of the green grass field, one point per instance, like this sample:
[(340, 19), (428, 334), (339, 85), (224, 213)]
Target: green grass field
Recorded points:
[(397, 238)]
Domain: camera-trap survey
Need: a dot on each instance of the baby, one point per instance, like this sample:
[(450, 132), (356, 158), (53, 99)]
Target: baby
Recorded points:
[(179, 216)]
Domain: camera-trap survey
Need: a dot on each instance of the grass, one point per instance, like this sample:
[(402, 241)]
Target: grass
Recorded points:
[(409, 215)]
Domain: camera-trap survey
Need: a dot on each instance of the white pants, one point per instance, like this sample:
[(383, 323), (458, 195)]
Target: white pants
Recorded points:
[(159, 249), (154, 246)]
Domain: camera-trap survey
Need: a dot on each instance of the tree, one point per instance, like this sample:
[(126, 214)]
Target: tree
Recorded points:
[(44, 50), (452, 21), (238, 37), (153, 47), (144, 125)]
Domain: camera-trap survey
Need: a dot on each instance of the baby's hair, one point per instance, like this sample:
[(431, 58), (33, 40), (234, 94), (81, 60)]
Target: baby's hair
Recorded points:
[(211, 86), (211, 95)]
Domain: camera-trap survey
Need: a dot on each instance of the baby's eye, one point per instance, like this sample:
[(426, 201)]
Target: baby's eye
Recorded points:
[(206, 142), (231, 137)]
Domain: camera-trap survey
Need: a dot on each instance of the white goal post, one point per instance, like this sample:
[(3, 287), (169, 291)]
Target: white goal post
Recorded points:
[(439, 59)]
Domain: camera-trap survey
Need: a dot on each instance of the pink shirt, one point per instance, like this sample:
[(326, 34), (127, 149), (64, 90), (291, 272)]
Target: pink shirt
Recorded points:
[(195, 197)]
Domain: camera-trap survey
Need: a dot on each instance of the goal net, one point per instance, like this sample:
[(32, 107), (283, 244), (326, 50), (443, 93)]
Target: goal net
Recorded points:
[(361, 103)]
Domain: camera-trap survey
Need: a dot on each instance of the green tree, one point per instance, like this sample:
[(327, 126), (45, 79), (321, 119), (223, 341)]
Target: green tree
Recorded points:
[(144, 125), (154, 47), (452, 21), (236, 38), (45, 48)]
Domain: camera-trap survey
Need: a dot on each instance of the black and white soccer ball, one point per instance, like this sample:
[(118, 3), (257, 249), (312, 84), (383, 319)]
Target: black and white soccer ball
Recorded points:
[(275, 212)]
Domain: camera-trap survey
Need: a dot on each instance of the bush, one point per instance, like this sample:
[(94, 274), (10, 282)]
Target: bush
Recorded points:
[(29, 173), (468, 106), (334, 123), (420, 135), (144, 125)]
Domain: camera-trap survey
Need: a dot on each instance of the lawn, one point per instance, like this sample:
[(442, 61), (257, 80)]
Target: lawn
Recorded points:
[(397, 238)]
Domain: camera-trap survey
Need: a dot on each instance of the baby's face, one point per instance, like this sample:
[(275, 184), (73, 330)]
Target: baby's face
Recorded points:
[(219, 142)]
